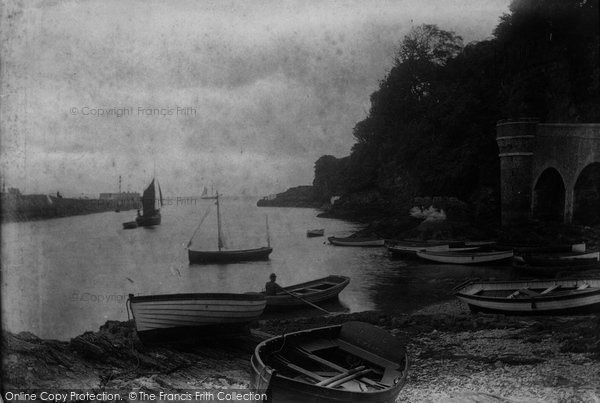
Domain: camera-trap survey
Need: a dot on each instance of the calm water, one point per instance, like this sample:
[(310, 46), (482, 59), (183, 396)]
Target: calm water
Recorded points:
[(64, 276)]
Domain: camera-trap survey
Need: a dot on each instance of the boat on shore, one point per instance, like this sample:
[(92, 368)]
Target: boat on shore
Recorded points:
[(355, 241), (222, 255), (535, 297), (466, 257), (150, 215), (312, 291), (315, 232), (170, 316), (353, 362)]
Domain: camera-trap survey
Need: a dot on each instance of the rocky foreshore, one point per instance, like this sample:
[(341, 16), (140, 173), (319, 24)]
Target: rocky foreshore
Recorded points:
[(454, 356)]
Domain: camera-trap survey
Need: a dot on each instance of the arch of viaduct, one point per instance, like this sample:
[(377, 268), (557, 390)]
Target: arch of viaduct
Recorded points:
[(548, 170)]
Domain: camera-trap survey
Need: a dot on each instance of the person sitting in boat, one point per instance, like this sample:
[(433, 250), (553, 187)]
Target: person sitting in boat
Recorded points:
[(272, 287)]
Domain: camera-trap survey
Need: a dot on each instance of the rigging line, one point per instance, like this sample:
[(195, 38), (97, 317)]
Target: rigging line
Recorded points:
[(198, 227)]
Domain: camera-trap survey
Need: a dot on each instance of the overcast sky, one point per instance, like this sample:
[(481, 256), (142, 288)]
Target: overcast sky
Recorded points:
[(264, 87)]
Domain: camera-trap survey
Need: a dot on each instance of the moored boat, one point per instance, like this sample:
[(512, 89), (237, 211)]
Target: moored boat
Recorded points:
[(353, 362), (312, 291), (183, 315), (410, 249), (355, 241), (533, 297), (559, 260), (558, 266), (556, 248), (150, 215), (222, 255), (130, 225), (473, 257), (229, 256), (315, 232)]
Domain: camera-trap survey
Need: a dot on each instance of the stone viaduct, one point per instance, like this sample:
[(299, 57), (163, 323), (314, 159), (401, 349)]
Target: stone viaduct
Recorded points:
[(549, 171)]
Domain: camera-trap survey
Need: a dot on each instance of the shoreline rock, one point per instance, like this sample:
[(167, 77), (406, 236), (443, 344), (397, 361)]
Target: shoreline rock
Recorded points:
[(455, 356)]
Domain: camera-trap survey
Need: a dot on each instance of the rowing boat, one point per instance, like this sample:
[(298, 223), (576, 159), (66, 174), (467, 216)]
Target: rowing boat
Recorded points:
[(406, 249), (177, 315), (315, 232), (355, 241), (312, 291), (559, 260), (559, 266), (474, 257), (557, 248), (533, 297), (353, 362)]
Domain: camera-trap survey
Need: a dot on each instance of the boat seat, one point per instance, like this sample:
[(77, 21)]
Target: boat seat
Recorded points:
[(550, 289), (529, 292), (372, 343), (582, 287), (476, 291), (524, 291), (333, 365)]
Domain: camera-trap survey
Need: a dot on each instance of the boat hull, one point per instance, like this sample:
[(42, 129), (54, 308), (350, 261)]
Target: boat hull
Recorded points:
[(149, 220), (130, 225), (229, 256), (372, 341), (553, 269), (312, 291), (193, 315), (363, 242), (499, 297), (311, 233), (465, 258)]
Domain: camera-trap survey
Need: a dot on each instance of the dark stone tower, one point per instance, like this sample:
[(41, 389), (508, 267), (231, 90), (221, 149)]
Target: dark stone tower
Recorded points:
[(516, 140)]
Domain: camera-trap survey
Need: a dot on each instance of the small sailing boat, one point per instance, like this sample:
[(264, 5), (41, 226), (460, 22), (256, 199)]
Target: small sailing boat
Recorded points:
[(118, 208), (227, 256), (150, 213), (205, 194)]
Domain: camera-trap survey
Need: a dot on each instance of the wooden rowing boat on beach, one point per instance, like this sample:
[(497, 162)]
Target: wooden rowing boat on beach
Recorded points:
[(535, 297), (355, 241), (182, 315), (353, 362), (312, 291), (474, 257)]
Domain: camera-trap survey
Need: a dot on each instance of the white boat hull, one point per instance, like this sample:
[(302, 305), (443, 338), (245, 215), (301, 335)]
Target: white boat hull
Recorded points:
[(505, 297), (204, 311), (450, 257)]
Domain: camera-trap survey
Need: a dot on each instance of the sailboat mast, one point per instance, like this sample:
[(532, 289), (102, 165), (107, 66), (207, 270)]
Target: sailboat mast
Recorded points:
[(220, 239), (268, 234)]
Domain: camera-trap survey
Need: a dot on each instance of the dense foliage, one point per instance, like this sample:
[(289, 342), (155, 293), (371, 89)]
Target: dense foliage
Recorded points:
[(431, 126)]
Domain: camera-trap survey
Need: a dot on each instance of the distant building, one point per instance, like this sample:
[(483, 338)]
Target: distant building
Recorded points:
[(120, 196)]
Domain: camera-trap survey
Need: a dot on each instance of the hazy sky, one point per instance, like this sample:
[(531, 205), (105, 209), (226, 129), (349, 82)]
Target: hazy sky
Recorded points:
[(264, 87)]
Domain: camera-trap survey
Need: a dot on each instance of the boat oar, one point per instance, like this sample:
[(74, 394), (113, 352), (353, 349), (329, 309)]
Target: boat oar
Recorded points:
[(305, 301)]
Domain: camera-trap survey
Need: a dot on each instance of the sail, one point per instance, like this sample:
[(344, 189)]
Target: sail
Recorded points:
[(160, 194), (205, 191), (148, 199)]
